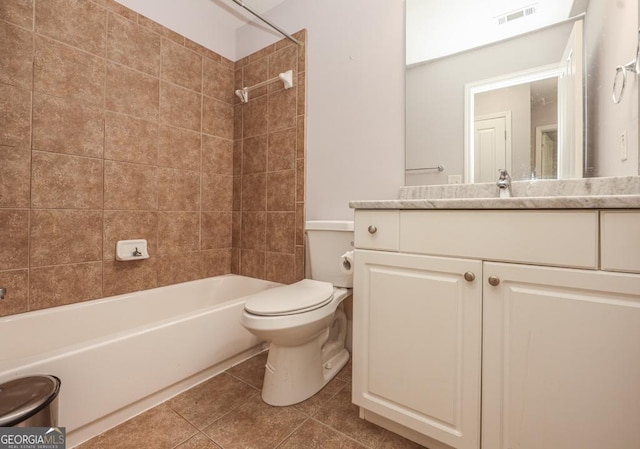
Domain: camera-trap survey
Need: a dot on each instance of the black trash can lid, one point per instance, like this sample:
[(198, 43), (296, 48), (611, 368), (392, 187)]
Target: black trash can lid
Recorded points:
[(22, 398)]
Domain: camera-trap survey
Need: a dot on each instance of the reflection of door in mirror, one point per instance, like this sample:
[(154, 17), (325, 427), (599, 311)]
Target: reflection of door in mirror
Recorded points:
[(546, 163), (524, 94), (544, 128), (530, 95), (531, 105), (493, 145), (517, 101)]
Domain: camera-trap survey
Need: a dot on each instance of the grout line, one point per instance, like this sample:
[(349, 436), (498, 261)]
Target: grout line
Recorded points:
[(176, 446), (104, 147), (244, 381), (201, 167), (33, 20), (228, 412), (342, 433), (197, 434), (290, 434), (82, 156), (208, 438), (29, 218)]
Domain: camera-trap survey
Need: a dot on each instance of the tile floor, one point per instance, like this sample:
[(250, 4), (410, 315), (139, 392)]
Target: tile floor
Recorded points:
[(226, 412)]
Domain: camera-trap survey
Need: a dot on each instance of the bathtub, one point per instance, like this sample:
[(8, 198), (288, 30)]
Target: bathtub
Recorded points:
[(121, 355)]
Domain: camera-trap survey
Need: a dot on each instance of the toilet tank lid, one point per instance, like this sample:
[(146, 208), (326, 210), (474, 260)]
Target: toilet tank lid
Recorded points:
[(329, 225), (287, 299)]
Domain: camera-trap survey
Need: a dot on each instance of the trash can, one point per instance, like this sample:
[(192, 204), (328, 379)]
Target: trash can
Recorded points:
[(30, 402)]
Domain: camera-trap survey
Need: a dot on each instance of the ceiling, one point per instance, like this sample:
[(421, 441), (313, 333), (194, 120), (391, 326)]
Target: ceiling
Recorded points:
[(437, 28)]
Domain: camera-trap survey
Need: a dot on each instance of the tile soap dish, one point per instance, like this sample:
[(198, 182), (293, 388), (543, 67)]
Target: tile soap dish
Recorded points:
[(131, 250)]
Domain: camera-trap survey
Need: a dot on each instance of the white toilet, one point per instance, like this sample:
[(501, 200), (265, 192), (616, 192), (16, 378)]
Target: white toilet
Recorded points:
[(305, 322)]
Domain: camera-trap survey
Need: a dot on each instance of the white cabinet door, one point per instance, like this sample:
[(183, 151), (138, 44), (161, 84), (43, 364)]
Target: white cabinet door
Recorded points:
[(561, 359), (417, 337)]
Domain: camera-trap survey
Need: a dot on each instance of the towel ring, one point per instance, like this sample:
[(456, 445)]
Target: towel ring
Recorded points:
[(622, 69), (633, 67)]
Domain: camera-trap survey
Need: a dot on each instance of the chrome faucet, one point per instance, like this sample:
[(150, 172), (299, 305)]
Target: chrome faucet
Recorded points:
[(3, 292), (504, 183)]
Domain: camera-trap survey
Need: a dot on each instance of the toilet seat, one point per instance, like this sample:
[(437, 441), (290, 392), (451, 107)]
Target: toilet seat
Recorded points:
[(303, 296)]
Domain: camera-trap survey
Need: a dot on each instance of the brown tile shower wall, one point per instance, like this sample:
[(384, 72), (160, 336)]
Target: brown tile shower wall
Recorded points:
[(269, 154), (111, 127)]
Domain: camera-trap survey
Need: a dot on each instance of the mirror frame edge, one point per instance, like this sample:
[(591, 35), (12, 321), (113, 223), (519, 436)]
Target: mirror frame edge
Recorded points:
[(498, 82)]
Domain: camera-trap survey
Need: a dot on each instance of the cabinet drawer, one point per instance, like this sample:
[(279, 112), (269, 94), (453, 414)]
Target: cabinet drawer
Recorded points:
[(620, 241), (377, 229), (559, 238)]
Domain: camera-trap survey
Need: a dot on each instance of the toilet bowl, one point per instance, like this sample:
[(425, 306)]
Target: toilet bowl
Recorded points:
[(305, 322)]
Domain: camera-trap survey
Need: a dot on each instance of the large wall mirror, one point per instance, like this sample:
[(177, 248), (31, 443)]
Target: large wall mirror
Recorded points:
[(520, 84)]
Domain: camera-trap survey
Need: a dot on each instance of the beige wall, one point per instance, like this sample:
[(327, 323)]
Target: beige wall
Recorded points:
[(114, 127)]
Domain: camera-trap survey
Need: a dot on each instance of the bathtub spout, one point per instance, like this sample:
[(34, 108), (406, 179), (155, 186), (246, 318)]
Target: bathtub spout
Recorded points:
[(3, 292)]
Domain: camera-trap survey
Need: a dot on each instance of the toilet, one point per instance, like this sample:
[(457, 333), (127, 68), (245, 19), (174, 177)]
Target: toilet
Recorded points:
[(305, 322)]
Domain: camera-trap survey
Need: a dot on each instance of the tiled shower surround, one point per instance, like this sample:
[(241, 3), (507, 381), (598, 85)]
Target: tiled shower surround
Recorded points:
[(114, 127)]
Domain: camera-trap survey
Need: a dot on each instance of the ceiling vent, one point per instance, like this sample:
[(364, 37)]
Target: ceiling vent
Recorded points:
[(517, 14)]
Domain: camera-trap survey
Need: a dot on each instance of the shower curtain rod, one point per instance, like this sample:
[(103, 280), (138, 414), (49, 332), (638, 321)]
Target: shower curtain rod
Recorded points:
[(275, 27)]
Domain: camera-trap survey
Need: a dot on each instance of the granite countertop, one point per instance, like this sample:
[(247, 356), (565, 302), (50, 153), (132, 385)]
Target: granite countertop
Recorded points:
[(589, 193), (540, 202)]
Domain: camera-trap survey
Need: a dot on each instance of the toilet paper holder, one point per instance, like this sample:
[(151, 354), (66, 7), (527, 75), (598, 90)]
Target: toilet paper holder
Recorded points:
[(347, 262)]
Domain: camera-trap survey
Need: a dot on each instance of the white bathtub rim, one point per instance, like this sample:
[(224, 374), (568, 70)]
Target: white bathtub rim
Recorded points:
[(26, 363), (7, 362), (108, 299)]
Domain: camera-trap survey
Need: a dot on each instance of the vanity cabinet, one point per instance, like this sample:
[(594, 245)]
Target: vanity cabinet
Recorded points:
[(560, 358), (499, 329), (417, 338)]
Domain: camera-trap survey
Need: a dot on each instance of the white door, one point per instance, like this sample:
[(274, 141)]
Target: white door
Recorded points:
[(561, 359), (571, 107), (416, 343), (547, 151), (490, 147)]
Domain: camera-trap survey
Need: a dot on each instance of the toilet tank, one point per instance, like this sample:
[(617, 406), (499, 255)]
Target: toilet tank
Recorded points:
[(327, 241)]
